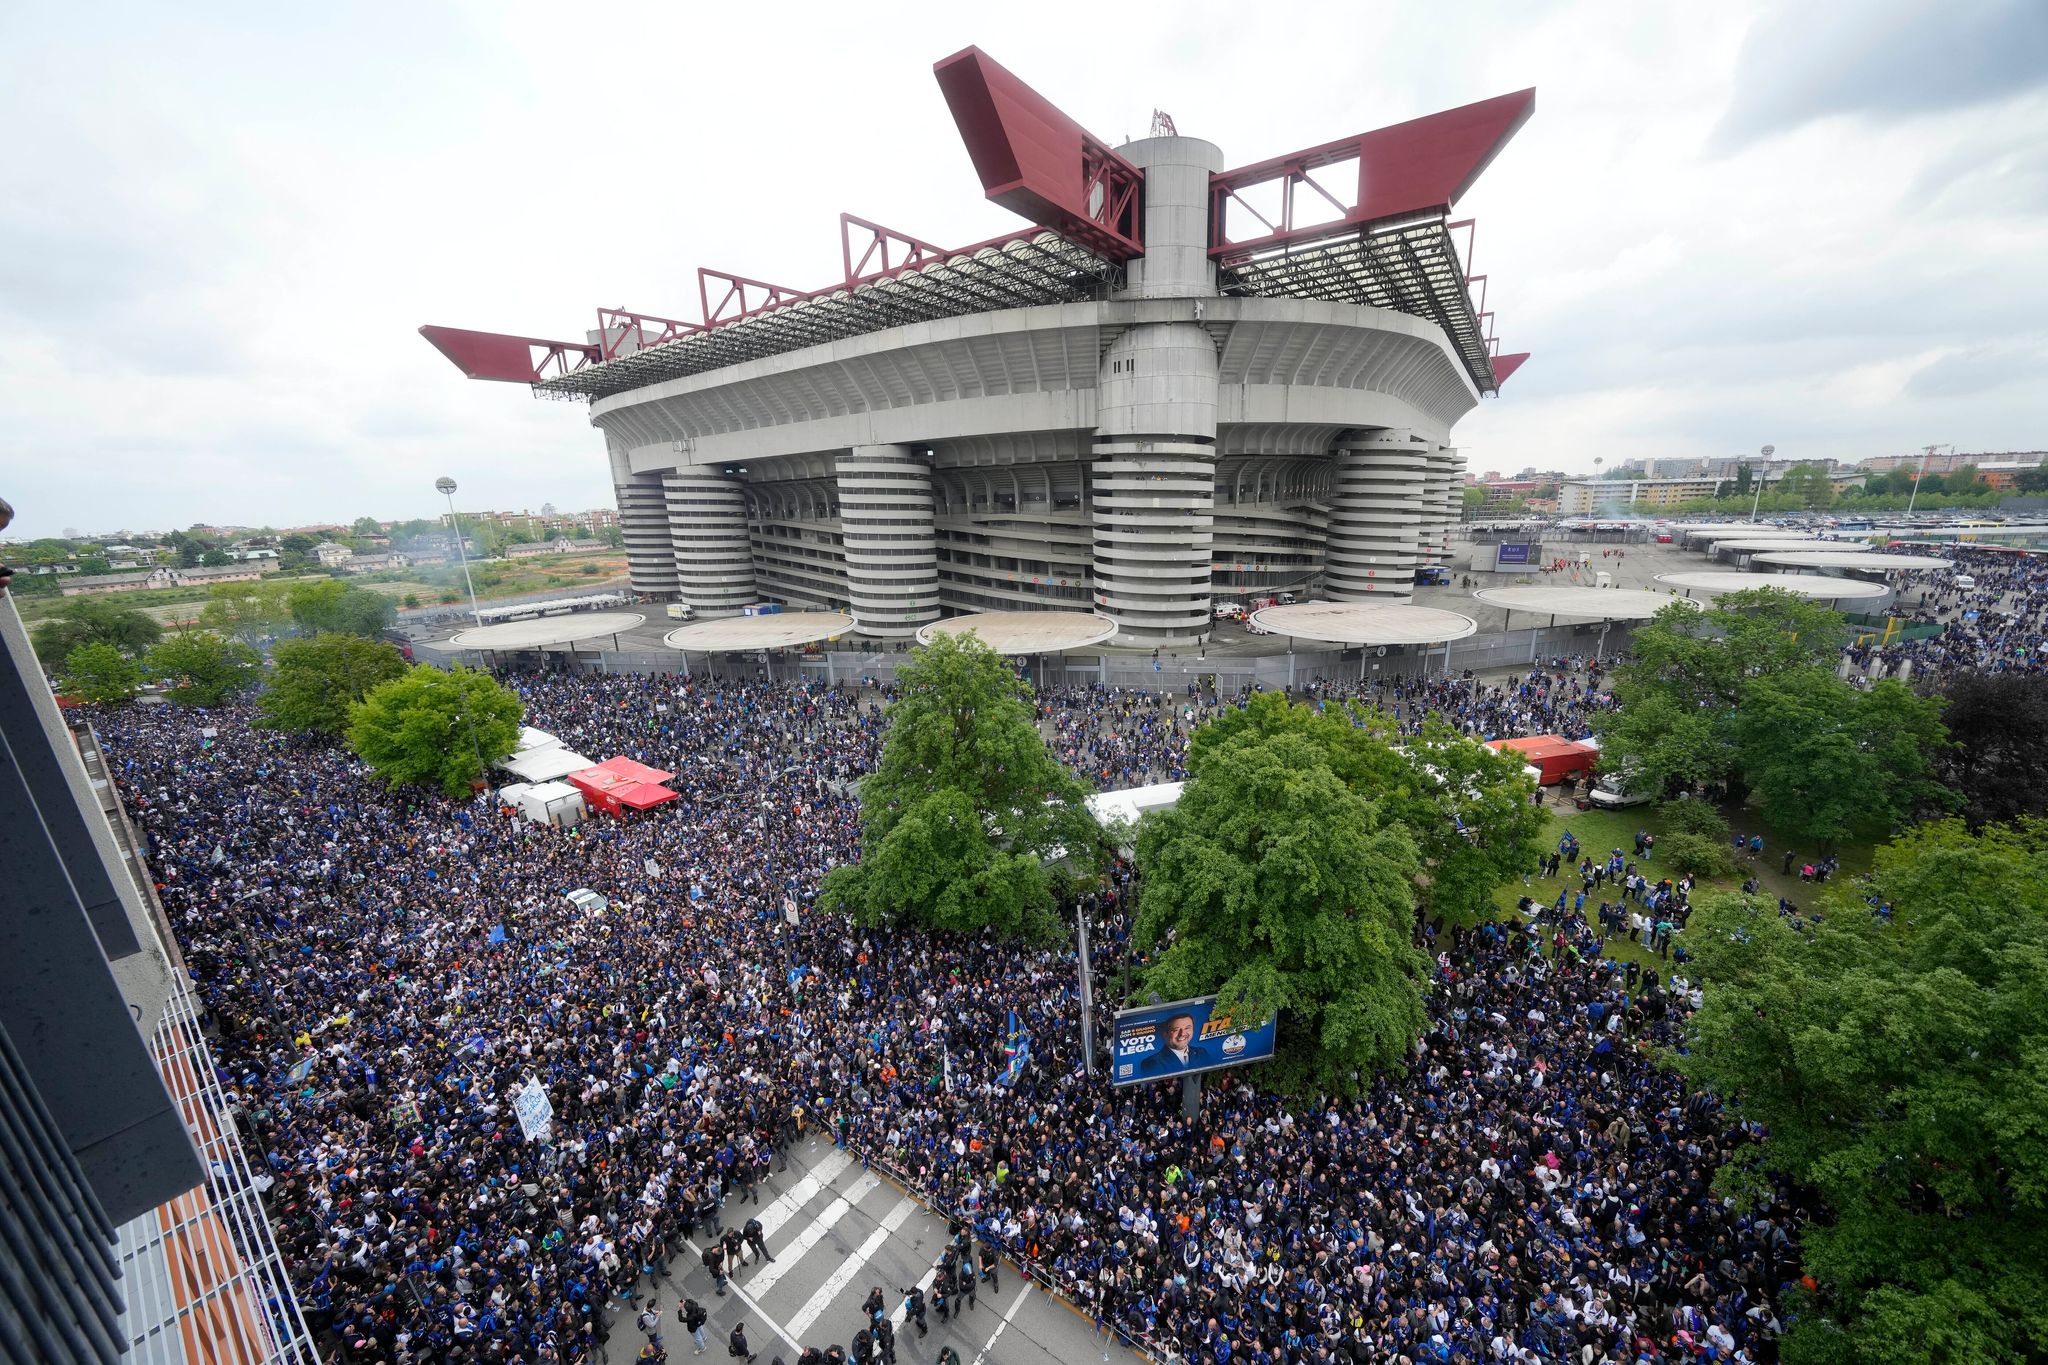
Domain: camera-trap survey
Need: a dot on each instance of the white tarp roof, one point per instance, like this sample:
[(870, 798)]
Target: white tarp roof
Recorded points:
[(512, 791), (530, 738), (545, 764), (550, 792), (1130, 803)]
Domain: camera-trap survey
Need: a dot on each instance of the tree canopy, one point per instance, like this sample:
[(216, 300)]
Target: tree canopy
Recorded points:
[(316, 679), (435, 727), (1744, 692), (99, 673), (1830, 763), (1279, 888), (1465, 806), (968, 814), (1998, 723), (1898, 1067), (93, 621), (248, 611), (202, 668), (330, 605)]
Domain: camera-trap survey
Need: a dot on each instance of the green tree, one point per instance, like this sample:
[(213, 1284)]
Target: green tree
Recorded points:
[(99, 673), (366, 526), (1691, 671), (248, 611), (316, 679), (613, 536), (1998, 723), (1277, 887), (1473, 499), (295, 551), (332, 605), (436, 728), (95, 564), (968, 811), (202, 668), (1830, 763), (1465, 806), (1900, 1075), (214, 559), (93, 621)]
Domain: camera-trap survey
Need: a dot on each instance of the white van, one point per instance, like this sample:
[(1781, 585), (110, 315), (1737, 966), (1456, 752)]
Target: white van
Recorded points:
[(1230, 611), (1964, 581)]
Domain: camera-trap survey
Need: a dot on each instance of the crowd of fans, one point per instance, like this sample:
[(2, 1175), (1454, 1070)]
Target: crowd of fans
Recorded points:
[(385, 968), (1998, 624)]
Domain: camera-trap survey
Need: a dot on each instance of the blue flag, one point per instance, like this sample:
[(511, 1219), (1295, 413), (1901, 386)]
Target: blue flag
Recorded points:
[(497, 934), (1017, 1048)]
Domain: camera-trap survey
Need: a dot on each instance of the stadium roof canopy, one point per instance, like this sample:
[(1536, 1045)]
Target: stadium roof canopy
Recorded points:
[(1856, 559), (1821, 587), (1591, 604), (1026, 632), (1365, 219), (777, 630), (1775, 543), (1365, 623), (546, 630)]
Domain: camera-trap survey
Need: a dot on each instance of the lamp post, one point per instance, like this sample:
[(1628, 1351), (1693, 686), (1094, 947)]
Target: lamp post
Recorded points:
[(1914, 496), (1757, 501), (446, 487)]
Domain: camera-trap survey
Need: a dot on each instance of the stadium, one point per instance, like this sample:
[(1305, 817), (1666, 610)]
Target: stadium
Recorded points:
[(1182, 382)]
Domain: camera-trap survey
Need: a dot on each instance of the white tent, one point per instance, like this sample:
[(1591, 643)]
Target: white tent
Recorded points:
[(552, 803), (1126, 807), (530, 738), (546, 763)]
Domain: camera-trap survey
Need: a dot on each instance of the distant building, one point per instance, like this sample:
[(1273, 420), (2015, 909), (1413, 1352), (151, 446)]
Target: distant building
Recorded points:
[(332, 555), (560, 545), (1590, 497), (396, 559), (167, 576)]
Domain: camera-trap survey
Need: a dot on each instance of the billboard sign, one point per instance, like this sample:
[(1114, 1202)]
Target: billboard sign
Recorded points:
[(1155, 1042), (1511, 554)]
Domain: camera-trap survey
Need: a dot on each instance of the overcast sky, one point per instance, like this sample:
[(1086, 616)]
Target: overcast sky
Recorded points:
[(1820, 225)]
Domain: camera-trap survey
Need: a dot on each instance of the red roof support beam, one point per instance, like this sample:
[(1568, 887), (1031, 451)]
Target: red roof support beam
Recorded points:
[(751, 296), (875, 256), (1422, 166), (615, 325), (510, 359), (1504, 366), (1037, 162)]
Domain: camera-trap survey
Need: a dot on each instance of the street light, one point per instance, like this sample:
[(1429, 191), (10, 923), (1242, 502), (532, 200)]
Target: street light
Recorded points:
[(1924, 453), (1757, 501), (446, 487)]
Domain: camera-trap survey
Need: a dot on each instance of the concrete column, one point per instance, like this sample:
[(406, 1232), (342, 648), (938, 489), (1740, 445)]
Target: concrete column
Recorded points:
[(643, 524), (1376, 516), (707, 518), (1439, 494), (892, 550), (1152, 486)]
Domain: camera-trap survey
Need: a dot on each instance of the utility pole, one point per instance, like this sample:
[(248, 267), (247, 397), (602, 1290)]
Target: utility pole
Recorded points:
[(1922, 472), (1087, 991)]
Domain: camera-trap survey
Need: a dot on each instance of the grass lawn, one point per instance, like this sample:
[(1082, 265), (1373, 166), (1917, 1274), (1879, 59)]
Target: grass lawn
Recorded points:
[(508, 578), (1601, 831)]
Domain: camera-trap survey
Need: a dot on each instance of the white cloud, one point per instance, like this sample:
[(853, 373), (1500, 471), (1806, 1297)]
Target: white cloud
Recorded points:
[(225, 225)]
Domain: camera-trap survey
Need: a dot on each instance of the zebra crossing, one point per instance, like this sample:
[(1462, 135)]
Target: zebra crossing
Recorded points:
[(838, 1230)]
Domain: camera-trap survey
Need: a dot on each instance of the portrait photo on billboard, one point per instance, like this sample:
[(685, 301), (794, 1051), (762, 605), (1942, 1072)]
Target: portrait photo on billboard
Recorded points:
[(1155, 1042)]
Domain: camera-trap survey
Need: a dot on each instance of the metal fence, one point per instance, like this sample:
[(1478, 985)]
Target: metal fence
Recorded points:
[(1173, 670)]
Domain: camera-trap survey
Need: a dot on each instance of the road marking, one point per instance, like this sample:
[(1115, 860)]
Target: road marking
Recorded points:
[(748, 1300), (813, 1233), (1008, 1313), (851, 1267), (931, 1277), (801, 1193)]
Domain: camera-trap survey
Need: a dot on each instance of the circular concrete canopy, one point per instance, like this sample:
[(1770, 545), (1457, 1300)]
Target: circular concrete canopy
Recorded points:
[(1593, 604), (1819, 586), (1741, 532), (1366, 623), (542, 631), (1745, 546), (1856, 559), (1026, 632), (779, 630)]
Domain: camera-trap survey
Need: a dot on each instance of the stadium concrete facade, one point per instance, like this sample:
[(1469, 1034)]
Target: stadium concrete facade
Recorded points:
[(1172, 389)]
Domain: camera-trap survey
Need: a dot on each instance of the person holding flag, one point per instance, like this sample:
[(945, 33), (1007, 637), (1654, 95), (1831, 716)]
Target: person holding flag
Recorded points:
[(1017, 1049)]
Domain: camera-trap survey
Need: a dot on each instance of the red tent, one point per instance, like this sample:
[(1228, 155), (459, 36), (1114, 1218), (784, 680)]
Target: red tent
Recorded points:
[(619, 784)]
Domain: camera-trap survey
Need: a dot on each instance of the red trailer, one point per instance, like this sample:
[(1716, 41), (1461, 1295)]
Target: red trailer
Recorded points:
[(1554, 756)]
